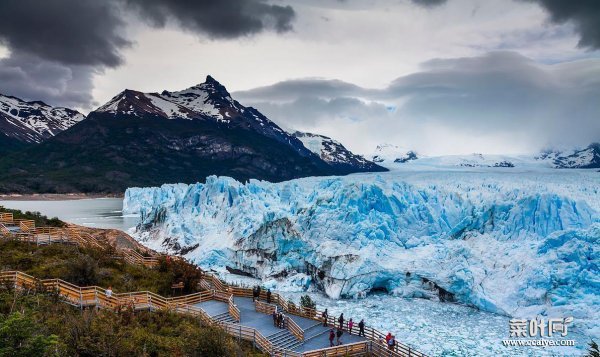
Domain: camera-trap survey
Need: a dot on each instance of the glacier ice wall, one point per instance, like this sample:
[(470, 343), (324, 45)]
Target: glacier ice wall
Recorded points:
[(509, 245)]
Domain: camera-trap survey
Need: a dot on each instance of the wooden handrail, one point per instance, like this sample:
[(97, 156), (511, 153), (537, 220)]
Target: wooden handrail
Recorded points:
[(351, 349), (264, 308), (6, 217), (294, 329), (234, 311)]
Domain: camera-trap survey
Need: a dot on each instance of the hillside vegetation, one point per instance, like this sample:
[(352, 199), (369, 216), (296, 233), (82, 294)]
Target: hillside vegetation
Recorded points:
[(34, 323)]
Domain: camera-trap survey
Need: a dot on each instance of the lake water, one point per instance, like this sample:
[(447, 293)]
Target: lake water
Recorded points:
[(94, 212)]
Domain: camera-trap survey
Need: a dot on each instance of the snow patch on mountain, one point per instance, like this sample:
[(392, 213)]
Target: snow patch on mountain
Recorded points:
[(389, 154), (587, 158), (330, 150), (514, 244), (34, 121)]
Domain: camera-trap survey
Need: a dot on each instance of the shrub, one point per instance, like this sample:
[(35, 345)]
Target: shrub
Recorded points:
[(307, 303)]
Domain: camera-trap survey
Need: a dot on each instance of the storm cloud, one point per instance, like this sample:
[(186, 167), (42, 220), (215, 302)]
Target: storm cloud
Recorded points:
[(585, 15), (218, 19), (502, 97), (57, 46)]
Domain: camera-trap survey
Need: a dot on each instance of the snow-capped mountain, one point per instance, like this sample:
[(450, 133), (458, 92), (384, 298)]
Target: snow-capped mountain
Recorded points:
[(208, 101), (34, 122), (588, 158), (334, 152), (142, 139), (387, 154)]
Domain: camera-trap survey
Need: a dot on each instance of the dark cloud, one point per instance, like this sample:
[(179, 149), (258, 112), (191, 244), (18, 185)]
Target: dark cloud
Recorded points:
[(56, 46), (219, 19), (498, 95), (585, 14), (31, 78), (429, 3), (79, 32)]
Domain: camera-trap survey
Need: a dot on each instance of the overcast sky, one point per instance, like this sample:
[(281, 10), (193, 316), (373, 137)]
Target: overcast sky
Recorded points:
[(440, 77)]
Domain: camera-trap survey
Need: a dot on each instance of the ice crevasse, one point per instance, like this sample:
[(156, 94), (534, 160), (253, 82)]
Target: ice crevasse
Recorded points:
[(514, 249)]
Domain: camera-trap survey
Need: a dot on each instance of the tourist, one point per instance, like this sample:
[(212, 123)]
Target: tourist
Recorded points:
[(339, 334), (280, 320), (361, 328), (392, 343), (341, 320), (258, 293), (331, 337), (275, 317), (388, 337), (109, 292), (325, 317), (350, 325), (268, 296)]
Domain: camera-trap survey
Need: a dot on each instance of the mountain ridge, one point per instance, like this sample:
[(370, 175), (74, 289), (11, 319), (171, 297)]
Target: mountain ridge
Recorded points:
[(34, 121), (145, 139)]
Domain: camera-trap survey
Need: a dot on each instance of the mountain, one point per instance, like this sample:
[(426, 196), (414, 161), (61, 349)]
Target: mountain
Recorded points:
[(334, 153), (588, 158), (144, 139), (389, 153), (33, 122)]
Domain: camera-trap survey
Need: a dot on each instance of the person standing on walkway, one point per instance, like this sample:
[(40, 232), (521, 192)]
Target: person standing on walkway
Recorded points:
[(341, 320), (388, 337), (258, 293), (275, 317), (361, 328), (339, 334), (254, 294), (392, 343), (350, 325), (331, 337), (325, 317), (268, 296)]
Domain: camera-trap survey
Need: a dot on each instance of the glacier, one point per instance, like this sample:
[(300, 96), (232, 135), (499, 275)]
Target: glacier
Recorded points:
[(515, 243)]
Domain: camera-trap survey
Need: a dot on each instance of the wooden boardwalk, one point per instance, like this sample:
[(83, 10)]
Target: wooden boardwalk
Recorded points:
[(228, 307)]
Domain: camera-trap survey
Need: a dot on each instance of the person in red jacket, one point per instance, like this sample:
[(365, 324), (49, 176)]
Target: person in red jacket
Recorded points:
[(331, 337), (388, 337)]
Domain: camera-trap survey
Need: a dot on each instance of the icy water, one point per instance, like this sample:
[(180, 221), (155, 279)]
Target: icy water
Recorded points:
[(95, 212), (439, 329)]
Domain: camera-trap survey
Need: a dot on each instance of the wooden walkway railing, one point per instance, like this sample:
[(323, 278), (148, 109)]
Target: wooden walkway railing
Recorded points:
[(294, 329), (375, 337), (27, 232), (94, 296)]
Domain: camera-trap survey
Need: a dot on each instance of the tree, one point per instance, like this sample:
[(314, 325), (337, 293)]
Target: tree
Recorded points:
[(21, 336)]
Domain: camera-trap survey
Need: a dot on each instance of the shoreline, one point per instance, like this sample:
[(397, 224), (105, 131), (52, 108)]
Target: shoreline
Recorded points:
[(55, 196)]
